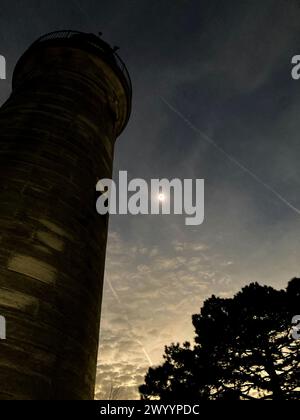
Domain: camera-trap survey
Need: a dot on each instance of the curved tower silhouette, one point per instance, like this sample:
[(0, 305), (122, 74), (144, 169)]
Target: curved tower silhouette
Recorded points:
[(71, 99)]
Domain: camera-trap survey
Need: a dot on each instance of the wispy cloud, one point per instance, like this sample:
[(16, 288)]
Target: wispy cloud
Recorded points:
[(149, 297)]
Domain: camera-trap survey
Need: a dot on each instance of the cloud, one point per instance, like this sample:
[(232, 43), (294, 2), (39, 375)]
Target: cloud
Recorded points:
[(226, 65), (149, 297)]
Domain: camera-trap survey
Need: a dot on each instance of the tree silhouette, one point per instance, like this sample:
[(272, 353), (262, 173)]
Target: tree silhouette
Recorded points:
[(243, 349)]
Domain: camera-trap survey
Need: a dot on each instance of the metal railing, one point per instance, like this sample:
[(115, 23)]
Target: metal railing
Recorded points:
[(96, 42)]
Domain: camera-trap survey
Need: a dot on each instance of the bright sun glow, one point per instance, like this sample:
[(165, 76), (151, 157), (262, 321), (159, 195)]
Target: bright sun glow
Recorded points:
[(161, 197)]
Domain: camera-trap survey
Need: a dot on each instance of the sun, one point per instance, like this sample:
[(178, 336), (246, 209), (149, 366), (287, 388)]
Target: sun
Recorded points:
[(161, 197)]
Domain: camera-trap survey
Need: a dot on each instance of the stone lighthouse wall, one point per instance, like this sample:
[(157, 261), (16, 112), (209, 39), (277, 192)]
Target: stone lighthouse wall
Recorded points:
[(57, 134)]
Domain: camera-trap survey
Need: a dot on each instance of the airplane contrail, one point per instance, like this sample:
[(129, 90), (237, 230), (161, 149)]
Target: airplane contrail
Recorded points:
[(113, 292), (88, 17), (116, 296), (209, 140), (145, 352)]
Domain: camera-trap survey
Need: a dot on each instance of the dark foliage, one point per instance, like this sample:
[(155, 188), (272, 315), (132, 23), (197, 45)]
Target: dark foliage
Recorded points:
[(243, 349)]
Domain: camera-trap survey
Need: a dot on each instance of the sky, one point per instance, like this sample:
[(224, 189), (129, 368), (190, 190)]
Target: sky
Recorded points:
[(213, 99)]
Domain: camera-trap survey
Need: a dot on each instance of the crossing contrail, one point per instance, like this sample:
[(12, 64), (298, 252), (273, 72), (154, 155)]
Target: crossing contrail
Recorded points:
[(116, 296), (209, 140)]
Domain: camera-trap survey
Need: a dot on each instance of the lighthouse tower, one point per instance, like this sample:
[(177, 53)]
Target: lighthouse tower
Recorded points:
[(71, 99)]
